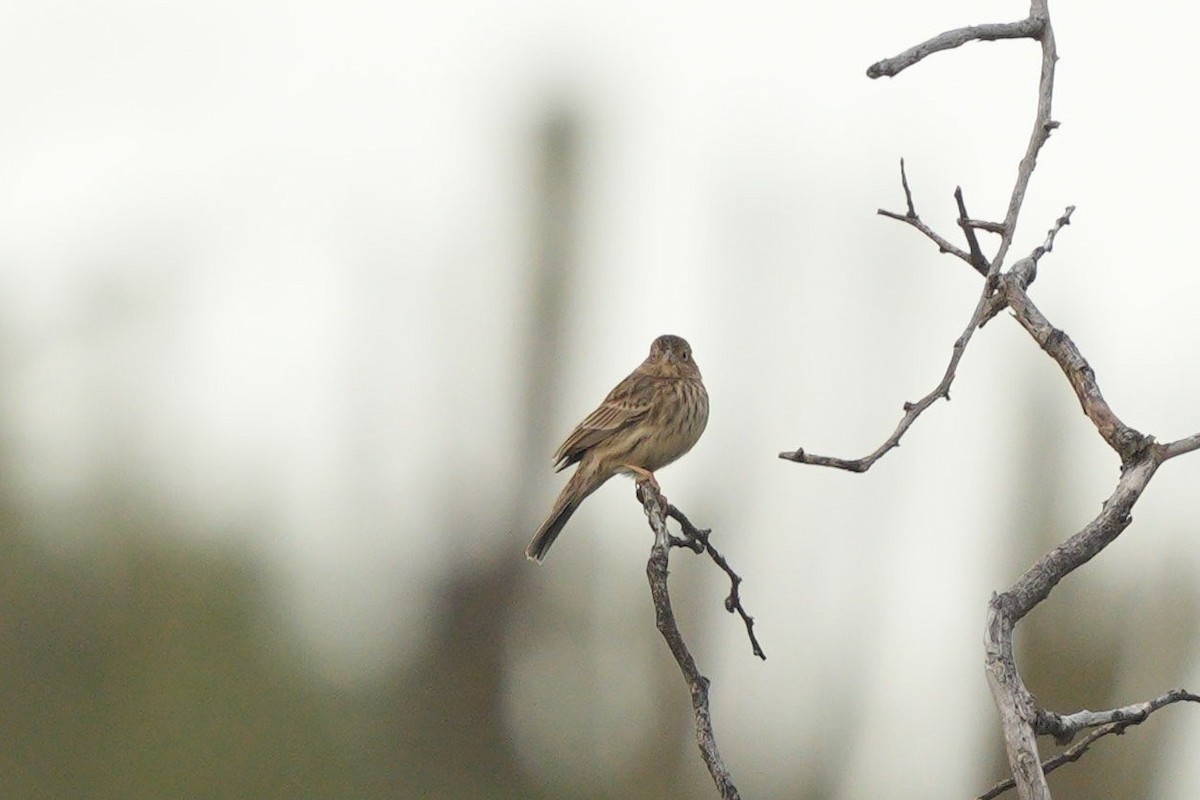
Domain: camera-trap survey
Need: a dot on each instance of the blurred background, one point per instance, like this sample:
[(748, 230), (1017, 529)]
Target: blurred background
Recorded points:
[(296, 300)]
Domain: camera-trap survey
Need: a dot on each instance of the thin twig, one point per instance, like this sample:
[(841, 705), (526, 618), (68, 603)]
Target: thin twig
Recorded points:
[(987, 307), (1037, 26), (911, 410), (978, 261), (912, 218), (1051, 234), (697, 540), (1024, 272), (983, 225), (942, 243), (912, 211), (664, 617)]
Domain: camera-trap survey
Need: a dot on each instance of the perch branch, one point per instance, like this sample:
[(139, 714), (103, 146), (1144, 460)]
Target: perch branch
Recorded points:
[(664, 617)]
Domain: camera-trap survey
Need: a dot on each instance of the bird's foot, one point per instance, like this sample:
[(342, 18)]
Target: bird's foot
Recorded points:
[(646, 476)]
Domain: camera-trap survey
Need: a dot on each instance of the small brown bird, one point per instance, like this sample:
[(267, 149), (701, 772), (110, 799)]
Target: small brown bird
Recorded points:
[(650, 419)]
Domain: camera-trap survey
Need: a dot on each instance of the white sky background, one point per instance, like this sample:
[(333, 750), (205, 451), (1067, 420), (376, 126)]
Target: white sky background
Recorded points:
[(262, 259)]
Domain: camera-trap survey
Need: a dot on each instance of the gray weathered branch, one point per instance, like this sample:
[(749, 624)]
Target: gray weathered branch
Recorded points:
[(1036, 26), (697, 540), (1022, 719), (889, 67), (664, 617), (1109, 722)]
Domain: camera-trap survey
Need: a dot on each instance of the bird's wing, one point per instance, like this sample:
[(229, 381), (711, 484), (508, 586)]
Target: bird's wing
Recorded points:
[(625, 405)]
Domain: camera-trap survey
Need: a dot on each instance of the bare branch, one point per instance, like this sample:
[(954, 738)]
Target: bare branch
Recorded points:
[(1022, 719), (664, 617), (1064, 727), (1180, 447), (1051, 234), (912, 211), (1126, 441), (1037, 582), (1024, 272), (944, 246), (1038, 25), (911, 410), (1019, 712), (978, 261), (983, 225), (913, 219), (1029, 28), (1035, 26), (1050, 764), (696, 540), (1039, 17), (1121, 719)]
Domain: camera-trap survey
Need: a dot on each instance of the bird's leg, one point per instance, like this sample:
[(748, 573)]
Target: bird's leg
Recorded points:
[(648, 477)]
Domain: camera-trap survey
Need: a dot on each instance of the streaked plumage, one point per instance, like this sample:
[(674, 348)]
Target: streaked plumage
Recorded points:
[(650, 419)]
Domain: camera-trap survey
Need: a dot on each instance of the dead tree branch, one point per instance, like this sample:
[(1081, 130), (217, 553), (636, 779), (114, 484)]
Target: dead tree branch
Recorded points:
[(1109, 722), (890, 67), (912, 218), (696, 540), (1065, 727), (1035, 26), (1022, 719), (664, 617)]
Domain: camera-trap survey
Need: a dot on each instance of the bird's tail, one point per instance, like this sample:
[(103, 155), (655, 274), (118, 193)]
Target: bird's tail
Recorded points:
[(579, 487)]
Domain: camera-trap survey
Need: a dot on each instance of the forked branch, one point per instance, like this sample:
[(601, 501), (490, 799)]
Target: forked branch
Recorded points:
[(697, 540), (664, 617), (1022, 718), (1109, 722)]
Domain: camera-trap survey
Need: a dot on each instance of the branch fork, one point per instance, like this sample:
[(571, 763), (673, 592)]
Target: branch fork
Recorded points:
[(697, 540)]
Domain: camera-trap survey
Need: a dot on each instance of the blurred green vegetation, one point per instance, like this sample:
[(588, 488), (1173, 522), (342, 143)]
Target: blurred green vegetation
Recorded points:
[(138, 659), (140, 663), (135, 665)]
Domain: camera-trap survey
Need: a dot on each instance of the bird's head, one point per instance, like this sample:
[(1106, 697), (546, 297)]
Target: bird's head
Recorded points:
[(671, 357)]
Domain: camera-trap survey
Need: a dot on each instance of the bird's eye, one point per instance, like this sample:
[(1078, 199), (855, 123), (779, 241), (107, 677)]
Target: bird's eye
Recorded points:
[(684, 355)]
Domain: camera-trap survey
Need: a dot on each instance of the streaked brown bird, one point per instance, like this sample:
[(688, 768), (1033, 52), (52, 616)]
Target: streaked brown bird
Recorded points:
[(650, 419)]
